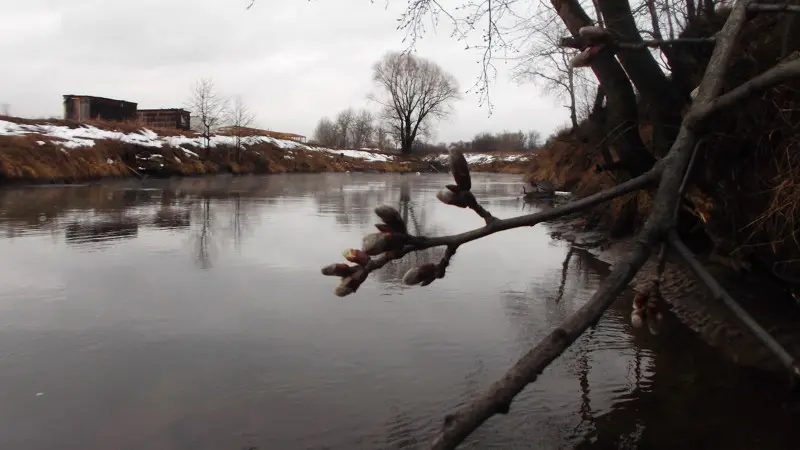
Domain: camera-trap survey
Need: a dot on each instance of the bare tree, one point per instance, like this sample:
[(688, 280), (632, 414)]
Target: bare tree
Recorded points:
[(382, 140), (547, 65), (344, 125), (326, 133), (239, 118), (534, 139), (209, 108), (362, 129), (415, 92)]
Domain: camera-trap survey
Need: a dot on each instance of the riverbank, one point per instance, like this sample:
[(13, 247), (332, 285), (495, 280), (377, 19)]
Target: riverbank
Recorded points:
[(66, 152)]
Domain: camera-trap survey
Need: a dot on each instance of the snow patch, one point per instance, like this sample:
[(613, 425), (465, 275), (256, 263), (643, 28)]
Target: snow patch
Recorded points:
[(86, 135)]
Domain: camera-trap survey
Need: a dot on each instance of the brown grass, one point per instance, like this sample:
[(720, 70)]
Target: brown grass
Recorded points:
[(22, 159)]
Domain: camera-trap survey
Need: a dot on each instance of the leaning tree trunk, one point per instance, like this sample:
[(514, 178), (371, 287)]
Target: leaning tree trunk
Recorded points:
[(622, 115), (661, 97)]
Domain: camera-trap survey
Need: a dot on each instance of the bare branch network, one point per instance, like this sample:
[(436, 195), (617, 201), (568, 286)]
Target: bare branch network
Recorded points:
[(668, 176)]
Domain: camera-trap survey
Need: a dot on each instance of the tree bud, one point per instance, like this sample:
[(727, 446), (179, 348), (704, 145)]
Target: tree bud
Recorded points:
[(351, 283), (392, 218), (639, 300), (375, 243), (357, 256), (460, 170), (338, 269), (637, 318), (461, 199), (424, 274), (343, 290)]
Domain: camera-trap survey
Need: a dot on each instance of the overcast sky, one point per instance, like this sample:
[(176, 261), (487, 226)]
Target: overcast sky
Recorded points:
[(293, 61)]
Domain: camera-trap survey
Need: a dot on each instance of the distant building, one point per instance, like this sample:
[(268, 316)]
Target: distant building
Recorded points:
[(165, 118), (87, 107)]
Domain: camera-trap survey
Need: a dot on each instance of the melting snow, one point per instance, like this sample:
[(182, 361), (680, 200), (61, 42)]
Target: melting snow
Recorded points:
[(85, 136), (480, 158)]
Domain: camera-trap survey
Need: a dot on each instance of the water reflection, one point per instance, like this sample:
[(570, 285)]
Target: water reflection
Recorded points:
[(191, 314)]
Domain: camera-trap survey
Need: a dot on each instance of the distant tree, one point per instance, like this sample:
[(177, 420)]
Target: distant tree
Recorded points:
[(534, 139), (362, 129), (239, 118), (326, 133), (382, 140), (484, 142), (344, 125), (209, 108), (415, 92)]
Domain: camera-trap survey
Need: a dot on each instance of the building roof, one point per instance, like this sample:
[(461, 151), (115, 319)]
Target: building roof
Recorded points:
[(162, 109), (96, 97)]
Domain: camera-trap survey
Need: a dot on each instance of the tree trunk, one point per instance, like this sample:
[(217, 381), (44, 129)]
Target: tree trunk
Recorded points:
[(690, 9), (659, 95), (573, 114), (622, 118), (406, 139)]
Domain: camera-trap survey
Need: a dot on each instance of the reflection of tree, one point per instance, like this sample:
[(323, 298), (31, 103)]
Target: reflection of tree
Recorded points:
[(203, 257)]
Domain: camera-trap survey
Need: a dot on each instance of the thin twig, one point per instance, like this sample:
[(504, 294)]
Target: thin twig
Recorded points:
[(421, 242), (720, 293)]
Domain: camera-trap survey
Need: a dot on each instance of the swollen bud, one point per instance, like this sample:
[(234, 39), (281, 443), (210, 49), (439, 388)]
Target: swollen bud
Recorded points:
[(357, 256), (383, 228), (446, 196), (460, 170), (351, 283), (339, 270), (392, 218), (637, 319), (461, 199), (343, 290), (424, 274), (375, 243), (639, 301)]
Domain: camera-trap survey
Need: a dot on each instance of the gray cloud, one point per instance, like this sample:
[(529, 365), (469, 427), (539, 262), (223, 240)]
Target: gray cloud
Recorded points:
[(292, 60)]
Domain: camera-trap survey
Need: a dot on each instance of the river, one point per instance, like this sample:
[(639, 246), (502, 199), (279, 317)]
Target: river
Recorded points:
[(191, 314)]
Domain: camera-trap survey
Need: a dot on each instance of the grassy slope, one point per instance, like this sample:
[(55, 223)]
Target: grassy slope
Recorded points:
[(38, 158)]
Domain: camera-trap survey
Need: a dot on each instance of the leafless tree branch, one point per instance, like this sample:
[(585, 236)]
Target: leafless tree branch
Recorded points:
[(786, 70)]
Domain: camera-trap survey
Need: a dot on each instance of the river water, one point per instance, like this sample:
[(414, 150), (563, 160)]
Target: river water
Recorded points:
[(192, 314)]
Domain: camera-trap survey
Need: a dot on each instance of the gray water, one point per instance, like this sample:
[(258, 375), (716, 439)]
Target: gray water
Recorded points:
[(192, 315)]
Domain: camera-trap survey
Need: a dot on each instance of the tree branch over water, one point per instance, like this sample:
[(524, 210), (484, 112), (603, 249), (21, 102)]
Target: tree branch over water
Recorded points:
[(393, 240)]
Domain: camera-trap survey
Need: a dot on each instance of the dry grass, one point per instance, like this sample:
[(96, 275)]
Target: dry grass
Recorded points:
[(22, 159)]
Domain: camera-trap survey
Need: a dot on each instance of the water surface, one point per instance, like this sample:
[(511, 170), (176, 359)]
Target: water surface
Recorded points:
[(192, 315)]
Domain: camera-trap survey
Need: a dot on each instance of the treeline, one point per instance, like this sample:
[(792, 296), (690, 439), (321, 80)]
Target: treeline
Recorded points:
[(505, 141), (357, 129), (352, 129)]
